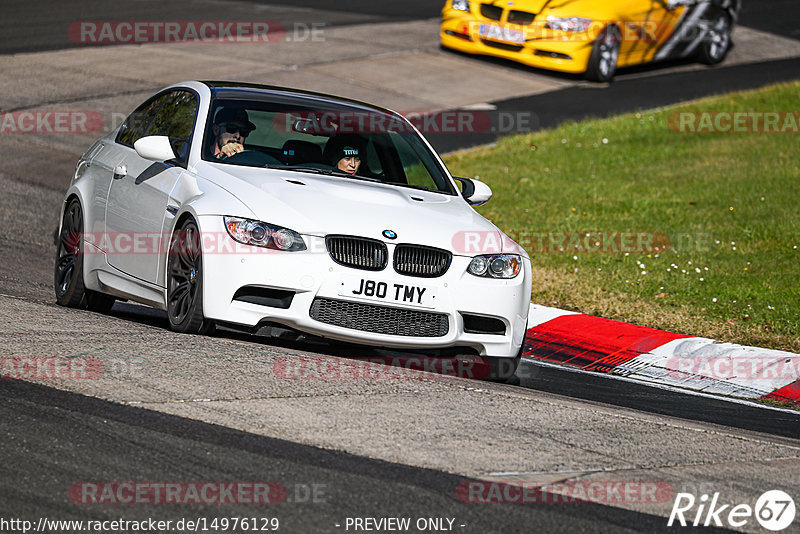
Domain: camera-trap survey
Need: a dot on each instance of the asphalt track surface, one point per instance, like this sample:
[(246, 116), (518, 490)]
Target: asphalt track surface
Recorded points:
[(54, 438), (89, 437), (45, 27), (624, 95)]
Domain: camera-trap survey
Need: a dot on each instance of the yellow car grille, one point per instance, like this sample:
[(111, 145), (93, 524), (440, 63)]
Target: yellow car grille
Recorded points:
[(514, 16), (491, 12)]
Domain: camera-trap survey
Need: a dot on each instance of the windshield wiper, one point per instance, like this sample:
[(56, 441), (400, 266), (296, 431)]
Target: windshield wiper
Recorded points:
[(298, 168), (317, 170)]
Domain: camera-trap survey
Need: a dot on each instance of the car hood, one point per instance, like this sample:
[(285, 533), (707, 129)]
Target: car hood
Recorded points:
[(321, 205), (572, 8)]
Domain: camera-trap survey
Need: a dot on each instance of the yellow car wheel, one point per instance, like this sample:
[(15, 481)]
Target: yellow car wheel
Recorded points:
[(718, 41), (605, 53)]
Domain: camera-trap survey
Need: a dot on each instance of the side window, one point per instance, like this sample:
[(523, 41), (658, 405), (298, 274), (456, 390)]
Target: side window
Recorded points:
[(372, 157), (172, 114), (416, 170), (137, 122), (175, 119)]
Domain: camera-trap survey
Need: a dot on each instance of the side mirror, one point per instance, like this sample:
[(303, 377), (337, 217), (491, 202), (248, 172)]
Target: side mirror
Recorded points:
[(154, 148), (474, 191)]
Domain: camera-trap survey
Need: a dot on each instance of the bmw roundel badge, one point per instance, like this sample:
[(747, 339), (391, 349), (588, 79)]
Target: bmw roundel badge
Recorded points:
[(388, 234)]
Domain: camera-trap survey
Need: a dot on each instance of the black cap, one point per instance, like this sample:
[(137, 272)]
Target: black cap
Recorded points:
[(234, 116), (344, 146)]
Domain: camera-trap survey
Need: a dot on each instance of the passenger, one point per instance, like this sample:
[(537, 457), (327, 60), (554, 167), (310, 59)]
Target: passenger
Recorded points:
[(231, 127), (345, 152)]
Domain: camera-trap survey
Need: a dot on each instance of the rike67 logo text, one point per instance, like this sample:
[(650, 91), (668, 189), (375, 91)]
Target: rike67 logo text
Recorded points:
[(774, 510)]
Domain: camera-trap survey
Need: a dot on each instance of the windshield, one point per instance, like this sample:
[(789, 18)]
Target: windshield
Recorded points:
[(339, 141)]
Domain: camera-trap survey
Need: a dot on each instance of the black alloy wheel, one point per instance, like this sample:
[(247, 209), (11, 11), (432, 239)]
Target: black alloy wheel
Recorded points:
[(185, 281), (68, 274)]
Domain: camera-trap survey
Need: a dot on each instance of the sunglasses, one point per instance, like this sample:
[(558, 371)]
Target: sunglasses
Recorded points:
[(233, 128)]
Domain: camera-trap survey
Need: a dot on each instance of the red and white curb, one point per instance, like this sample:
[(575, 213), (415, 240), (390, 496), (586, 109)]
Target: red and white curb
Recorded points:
[(660, 357)]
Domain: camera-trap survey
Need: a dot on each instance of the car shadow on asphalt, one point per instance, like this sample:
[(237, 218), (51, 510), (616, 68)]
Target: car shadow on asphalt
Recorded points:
[(622, 72), (444, 361)]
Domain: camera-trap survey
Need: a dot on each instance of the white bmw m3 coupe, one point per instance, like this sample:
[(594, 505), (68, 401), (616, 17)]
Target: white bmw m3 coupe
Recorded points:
[(245, 205)]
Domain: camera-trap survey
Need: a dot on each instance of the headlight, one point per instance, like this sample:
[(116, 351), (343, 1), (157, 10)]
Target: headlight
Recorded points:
[(495, 265), (261, 234), (568, 24), (461, 5)]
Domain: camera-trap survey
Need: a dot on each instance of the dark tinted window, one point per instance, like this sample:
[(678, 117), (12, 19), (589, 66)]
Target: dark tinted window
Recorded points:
[(172, 115), (137, 122), (175, 119)]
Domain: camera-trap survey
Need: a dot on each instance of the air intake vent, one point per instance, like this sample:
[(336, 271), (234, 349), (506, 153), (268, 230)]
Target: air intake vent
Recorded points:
[(477, 324), (425, 262), (502, 46), (357, 252), (379, 319), (264, 296)]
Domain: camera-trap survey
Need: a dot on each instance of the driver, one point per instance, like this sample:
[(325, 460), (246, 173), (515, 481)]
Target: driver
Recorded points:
[(231, 127)]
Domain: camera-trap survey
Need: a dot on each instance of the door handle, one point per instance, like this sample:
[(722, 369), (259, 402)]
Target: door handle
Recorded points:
[(120, 171)]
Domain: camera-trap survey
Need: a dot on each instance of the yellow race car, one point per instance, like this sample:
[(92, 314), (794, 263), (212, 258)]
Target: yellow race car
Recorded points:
[(590, 37)]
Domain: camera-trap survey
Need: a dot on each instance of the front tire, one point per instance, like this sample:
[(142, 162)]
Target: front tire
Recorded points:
[(503, 369), (605, 53), (715, 46), (185, 281)]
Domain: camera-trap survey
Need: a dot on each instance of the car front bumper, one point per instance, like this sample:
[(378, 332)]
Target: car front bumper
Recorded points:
[(544, 49), (312, 274)]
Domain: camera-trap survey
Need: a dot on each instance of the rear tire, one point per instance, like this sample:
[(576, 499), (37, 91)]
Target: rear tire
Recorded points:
[(717, 43), (68, 274), (185, 281), (605, 53)]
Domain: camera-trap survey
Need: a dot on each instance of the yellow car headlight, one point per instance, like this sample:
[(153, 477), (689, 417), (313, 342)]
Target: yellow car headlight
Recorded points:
[(461, 5), (568, 24)]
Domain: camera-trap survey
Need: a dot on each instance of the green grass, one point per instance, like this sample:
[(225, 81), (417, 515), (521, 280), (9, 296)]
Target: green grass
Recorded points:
[(728, 205)]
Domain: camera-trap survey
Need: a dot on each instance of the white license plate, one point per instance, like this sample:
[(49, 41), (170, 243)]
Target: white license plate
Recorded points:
[(388, 292), (500, 33)]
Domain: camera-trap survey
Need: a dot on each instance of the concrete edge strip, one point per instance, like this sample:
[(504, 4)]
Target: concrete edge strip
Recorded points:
[(656, 356)]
